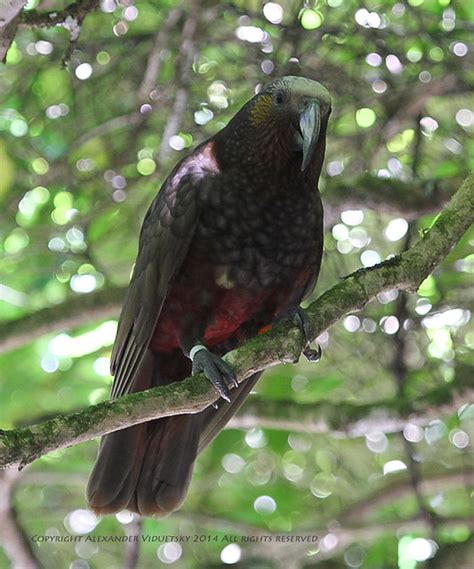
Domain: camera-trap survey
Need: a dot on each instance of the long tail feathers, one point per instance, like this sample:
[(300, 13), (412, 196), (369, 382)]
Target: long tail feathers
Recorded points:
[(147, 468), (114, 477), (167, 467)]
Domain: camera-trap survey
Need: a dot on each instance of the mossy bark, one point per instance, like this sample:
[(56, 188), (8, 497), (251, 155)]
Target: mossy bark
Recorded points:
[(283, 344)]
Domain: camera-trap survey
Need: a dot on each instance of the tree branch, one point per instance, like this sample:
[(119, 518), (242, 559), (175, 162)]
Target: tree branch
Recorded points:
[(76, 311), (283, 344), (12, 537), (76, 11), (132, 547), (402, 487), (403, 272), (71, 19), (386, 195), (184, 64), (160, 43), (345, 420), (293, 552)]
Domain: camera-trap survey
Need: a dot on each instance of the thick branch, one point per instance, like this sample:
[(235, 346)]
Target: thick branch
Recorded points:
[(283, 344)]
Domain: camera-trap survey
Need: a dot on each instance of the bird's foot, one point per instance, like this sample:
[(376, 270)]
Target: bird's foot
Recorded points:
[(300, 319), (215, 369)]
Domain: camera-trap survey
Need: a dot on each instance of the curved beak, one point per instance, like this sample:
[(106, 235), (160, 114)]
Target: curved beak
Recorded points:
[(310, 124)]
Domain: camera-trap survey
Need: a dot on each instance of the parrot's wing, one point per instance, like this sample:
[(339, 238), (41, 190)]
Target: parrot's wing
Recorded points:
[(317, 252), (166, 234)]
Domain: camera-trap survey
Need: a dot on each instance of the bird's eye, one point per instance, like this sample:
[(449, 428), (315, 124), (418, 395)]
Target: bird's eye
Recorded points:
[(279, 97)]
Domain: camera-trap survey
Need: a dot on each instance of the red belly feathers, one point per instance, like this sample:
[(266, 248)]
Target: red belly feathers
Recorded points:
[(230, 309)]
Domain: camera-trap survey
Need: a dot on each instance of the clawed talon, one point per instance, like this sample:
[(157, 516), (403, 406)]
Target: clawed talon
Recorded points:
[(216, 370), (311, 354), (301, 320), (215, 405)]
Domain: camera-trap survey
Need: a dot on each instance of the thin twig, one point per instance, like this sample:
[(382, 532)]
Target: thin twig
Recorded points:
[(185, 59), (132, 546), (75, 11), (160, 43), (399, 364)]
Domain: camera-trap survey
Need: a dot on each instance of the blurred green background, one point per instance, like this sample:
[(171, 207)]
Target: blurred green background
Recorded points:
[(368, 450)]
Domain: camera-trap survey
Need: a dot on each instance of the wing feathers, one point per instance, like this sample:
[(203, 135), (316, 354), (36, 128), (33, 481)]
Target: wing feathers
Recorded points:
[(165, 237)]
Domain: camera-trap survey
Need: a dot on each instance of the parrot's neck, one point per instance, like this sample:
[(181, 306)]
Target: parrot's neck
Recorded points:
[(268, 148)]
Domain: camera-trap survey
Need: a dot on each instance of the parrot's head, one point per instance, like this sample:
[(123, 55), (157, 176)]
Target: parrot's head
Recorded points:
[(284, 124), (293, 109)]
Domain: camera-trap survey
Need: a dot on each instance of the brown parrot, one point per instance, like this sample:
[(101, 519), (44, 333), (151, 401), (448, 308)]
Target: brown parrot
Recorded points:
[(231, 243)]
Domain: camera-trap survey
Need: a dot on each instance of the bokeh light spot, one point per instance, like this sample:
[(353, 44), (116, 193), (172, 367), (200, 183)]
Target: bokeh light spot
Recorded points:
[(310, 19), (231, 554)]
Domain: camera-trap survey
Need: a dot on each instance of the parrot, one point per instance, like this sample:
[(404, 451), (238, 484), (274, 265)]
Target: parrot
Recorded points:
[(231, 244)]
